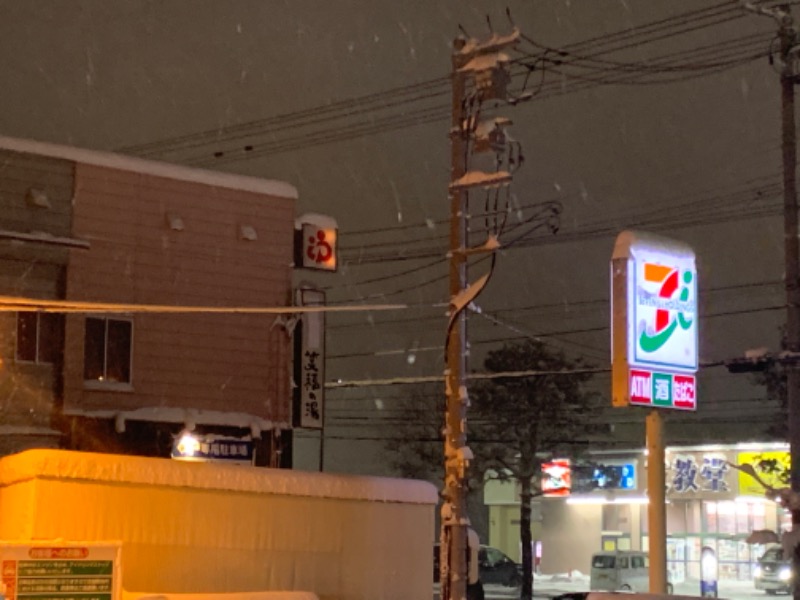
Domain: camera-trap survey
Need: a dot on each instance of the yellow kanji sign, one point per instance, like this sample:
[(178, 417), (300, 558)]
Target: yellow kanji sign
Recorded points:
[(780, 459)]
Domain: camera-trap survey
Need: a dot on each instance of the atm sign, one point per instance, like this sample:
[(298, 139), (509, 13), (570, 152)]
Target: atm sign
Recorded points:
[(666, 390)]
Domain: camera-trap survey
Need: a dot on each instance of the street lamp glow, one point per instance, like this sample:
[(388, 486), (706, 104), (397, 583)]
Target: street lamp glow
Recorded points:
[(188, 445)]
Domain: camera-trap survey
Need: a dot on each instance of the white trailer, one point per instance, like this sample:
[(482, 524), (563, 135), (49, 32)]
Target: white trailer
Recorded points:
[(204, 528)]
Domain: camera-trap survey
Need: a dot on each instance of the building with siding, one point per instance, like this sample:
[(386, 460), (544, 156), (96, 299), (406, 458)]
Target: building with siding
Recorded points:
[(85, 226)]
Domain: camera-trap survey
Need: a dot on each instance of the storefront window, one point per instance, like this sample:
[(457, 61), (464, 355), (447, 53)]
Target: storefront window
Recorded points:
[(728, 558), (710, 516), (786, 520), (693, 547), (733, 518), (726, 524), (742, 517), (676, 559), (745, 559), (759, 516), (726, 517)]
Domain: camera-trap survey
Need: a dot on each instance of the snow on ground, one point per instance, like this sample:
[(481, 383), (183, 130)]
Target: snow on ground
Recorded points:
[(571, 577), (549, 585)]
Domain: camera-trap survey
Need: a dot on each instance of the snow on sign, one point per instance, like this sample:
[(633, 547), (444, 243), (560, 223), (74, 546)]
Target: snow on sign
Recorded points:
[(60, 571), (653, 322)]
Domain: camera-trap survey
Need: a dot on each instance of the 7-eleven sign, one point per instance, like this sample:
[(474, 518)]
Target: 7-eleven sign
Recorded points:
[(654, 329)]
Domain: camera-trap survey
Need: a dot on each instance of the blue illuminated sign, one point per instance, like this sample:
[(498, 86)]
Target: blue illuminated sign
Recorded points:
[(619, 477)]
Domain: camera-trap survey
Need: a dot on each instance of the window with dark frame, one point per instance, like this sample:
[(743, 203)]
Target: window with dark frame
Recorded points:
[(38, 337), (107, 350)]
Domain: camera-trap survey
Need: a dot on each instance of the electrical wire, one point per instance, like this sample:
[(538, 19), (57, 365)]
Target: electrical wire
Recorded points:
[(296, 118), (732, 202), (709, 215), (667, 28)]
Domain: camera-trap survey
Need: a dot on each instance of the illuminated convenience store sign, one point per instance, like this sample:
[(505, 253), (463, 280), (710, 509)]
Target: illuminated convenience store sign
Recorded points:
[(653, 322)]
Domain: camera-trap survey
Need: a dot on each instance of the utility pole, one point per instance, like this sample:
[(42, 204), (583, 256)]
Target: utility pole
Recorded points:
[(792, 275), (479, 73), (787, 61), (454, 510)]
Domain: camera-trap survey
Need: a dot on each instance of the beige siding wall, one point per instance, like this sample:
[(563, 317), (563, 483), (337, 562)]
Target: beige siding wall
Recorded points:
[(228, 362), (21, 172)]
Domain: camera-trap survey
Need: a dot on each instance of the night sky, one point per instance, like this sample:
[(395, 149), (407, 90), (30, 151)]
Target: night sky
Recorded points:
[(657, 115)]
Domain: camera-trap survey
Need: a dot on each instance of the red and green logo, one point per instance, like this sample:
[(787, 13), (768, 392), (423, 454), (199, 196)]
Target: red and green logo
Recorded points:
[(672, 303)]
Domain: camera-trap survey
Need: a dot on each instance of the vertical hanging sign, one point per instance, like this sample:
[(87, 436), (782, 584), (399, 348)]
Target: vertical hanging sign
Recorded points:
[(654, 330), (309, 362)]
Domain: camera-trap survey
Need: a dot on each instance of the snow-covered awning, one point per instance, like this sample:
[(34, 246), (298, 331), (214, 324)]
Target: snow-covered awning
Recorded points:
[(189, 417)]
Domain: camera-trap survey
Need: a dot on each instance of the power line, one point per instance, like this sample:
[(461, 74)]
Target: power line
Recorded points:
[(422, 116), (697, 209), (544, 336), (684, 220), (713, 206), (298, 117), (666, 28)]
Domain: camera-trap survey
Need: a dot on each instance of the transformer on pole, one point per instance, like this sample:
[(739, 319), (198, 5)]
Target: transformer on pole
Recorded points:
[(480, 72)]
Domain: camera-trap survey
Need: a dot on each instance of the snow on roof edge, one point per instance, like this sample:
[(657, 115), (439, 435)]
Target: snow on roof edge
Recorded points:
[(151, 167), (112, 468), (188, 416)]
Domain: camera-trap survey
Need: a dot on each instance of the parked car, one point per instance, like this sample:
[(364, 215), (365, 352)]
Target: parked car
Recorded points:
[(494, 567), (773, 573), (621, 570)]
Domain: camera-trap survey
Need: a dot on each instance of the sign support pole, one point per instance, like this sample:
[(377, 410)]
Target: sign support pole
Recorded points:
[(792, 265), (656, 494), (654, 356)]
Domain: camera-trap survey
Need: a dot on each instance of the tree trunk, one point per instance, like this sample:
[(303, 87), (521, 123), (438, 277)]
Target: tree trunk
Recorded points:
[(525, 497)]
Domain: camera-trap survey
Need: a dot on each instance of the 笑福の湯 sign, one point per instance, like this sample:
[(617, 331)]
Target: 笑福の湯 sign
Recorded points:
[(653, 322)]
